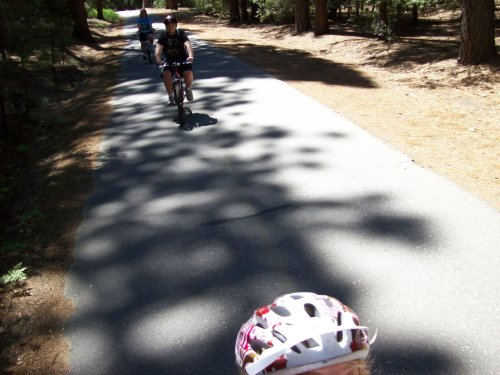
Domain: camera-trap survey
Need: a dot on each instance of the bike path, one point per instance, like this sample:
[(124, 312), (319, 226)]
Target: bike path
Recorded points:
[(185, 233)]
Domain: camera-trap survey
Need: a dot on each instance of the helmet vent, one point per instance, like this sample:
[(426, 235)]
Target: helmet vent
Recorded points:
[(311, 343), (281, 311), (310, 310), (279, 336), (258, 346), (295, 349), (340, 334)]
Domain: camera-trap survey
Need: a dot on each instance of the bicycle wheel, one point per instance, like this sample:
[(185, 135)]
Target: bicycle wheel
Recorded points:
[(179, 99), (149, 51)]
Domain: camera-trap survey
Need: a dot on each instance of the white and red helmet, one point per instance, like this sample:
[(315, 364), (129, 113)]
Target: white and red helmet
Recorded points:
[(300, 332)]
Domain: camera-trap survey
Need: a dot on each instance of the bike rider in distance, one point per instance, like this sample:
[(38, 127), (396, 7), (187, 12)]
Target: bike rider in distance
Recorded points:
[(176, 47), (145, 30)]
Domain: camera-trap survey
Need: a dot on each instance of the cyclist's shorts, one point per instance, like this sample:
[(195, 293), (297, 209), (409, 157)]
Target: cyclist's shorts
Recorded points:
[(182, 68), (143, 35)]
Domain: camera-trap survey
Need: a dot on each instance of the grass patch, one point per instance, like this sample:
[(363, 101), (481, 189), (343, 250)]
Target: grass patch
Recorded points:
[(109, 15)]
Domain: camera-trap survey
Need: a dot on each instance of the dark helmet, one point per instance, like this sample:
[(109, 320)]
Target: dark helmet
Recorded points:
[(170, 19)]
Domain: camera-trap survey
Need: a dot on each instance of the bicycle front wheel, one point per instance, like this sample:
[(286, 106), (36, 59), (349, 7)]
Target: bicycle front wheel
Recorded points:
[(179, 98), (149, 51)]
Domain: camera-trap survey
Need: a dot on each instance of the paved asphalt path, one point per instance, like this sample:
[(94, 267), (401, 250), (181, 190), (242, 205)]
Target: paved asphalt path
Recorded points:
[(271, 192)]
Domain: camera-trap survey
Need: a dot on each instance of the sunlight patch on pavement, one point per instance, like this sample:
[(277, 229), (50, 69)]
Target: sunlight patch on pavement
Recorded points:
[(96, 339), (181, 267), (179, 201), (171, 330), (239, 210), (110, 209), (99, 247), (135, 83)]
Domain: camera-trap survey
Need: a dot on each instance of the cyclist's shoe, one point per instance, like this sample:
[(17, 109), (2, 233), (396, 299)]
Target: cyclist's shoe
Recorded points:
[(189, 95), (171, 103)]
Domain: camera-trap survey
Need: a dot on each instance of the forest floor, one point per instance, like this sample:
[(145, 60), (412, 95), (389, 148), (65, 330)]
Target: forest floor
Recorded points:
[(412, 94)]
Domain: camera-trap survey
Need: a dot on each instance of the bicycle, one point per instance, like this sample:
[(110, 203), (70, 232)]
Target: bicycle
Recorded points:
[(148, 45), (179, 90), (148, 48)]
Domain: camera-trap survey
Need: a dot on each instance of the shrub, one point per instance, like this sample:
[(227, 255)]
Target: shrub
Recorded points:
[(109, 15), (15, 274)]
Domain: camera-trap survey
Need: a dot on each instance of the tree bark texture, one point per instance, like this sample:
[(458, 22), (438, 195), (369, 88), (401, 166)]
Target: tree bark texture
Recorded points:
[(414, 14), (234, 11), (382, 11), (321, 20), (172, 4), (81, 29), (302, 17), (244, 9), (98, 5), (477, 43)]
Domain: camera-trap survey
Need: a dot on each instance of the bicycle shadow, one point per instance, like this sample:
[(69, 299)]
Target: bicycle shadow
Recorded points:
[(197, 120)]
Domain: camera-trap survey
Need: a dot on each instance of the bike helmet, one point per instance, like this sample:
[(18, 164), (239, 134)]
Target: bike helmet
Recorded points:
[(170, 19), (300, 332)]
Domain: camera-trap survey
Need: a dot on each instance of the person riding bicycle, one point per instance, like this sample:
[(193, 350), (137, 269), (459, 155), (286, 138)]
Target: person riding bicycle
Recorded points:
[(176, 47), (303, 333), (145, 30)]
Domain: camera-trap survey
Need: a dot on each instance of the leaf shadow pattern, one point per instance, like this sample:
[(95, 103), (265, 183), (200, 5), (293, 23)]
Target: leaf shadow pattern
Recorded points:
[(184, 237)]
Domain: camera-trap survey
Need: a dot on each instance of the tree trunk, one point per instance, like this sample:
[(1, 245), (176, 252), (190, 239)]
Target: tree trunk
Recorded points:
[(477, 43), (302, 17), (382, 11), (3, 50), (172, 4), (98, 5), (321, 20), (414, 14), (146, 4), (244, 10), (234, 11), (254, 7), (3, 116), (81, 29)]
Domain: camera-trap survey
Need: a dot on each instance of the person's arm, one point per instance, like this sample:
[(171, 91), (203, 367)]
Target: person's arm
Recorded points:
[(158, 51), (189, 50)]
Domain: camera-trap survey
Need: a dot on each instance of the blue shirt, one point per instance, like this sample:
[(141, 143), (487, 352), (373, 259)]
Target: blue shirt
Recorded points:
[(144, 24)]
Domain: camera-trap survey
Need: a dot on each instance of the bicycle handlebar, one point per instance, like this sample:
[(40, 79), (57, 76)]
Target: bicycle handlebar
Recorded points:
[(167, 65), (175, 63)]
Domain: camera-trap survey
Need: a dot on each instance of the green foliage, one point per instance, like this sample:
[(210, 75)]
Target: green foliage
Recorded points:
[(275, 11), (28, 23), (217, 8), (33, 31), (383, 31), (23, 148), (30, 216), (6, 188), (15, 274), (109, 15), (10, 247)]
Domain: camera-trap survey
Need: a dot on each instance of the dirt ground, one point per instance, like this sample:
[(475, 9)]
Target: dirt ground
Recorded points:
[(411, 94)]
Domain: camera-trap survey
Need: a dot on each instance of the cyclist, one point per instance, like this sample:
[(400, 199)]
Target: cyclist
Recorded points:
[(176, 47), (145, 30), (303, 333)]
